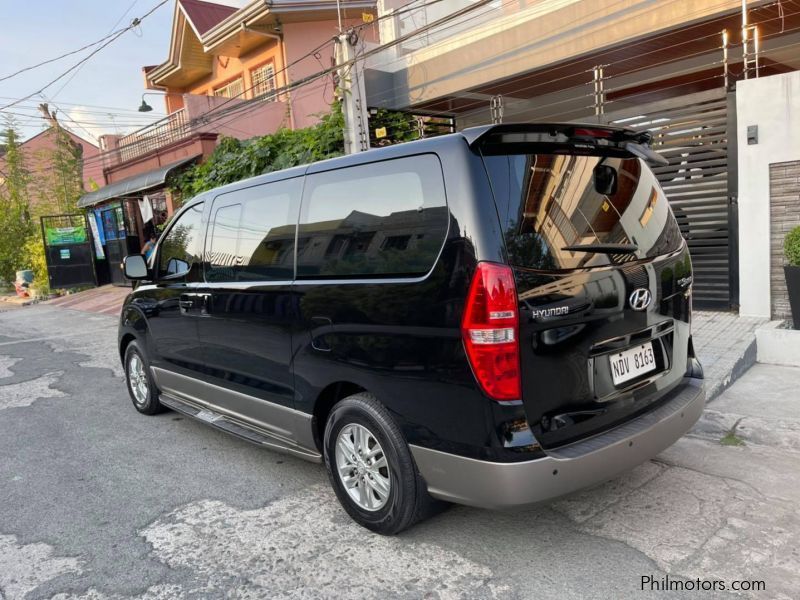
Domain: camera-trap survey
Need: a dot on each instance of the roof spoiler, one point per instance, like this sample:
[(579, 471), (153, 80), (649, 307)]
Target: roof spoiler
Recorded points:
[(635, 142)]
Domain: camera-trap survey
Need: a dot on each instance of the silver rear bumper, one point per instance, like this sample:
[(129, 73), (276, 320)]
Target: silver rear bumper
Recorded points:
[(503, 485)]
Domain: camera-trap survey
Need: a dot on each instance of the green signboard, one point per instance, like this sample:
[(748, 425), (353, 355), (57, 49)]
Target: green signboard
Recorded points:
[(64, 236)]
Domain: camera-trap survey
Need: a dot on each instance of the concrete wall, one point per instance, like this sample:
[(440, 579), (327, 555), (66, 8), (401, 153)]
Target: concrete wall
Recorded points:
[(525, 36), (315, 98), (261, 119), (772, 103), (225, 69)]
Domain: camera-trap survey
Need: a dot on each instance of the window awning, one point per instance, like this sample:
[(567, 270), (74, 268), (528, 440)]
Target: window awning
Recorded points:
[(137, 183)]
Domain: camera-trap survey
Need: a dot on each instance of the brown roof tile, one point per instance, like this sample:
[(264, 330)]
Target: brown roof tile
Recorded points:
[(205, 15)]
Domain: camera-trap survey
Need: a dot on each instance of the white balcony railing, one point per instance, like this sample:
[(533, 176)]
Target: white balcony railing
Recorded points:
[(171, 128)]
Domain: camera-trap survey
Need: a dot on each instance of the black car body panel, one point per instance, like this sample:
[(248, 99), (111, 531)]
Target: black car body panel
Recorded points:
[(371, 298)]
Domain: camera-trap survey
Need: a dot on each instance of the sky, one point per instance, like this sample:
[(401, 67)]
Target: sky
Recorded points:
[(104, 94)]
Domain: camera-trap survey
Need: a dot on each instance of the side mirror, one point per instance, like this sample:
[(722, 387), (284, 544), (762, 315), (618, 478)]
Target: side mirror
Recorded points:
[(605, 180), (134, 266)]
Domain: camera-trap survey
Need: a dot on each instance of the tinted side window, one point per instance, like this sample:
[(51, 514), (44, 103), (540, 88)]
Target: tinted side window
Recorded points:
[(251, 234), (378, 220), (179, 251)]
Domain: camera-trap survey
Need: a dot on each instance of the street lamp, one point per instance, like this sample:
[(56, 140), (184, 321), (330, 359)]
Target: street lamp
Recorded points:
[(144, 106)]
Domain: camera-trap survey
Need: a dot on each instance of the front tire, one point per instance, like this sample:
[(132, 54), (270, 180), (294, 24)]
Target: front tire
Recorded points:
[(141, 386), (371, 468)]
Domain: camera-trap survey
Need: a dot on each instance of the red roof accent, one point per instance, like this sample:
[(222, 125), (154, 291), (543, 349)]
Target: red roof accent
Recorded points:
[(205, 15)]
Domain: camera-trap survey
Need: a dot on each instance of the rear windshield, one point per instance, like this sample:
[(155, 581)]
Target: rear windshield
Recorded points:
[(547, 202)]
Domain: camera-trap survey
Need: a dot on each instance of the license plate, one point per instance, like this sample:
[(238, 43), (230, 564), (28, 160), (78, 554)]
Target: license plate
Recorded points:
[(631, 363)]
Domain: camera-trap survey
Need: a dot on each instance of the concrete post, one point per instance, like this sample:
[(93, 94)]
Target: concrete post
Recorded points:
[(353, 94), (773, 105), (388, 28)]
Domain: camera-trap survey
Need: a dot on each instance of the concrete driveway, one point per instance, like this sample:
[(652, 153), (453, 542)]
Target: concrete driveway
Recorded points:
[(99, 502)]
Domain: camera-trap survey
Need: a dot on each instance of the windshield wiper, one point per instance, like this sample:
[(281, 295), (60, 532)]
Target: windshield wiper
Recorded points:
[(603, 248)]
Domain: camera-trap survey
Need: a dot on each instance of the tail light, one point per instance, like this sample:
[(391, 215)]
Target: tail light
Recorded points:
[(592, 133), (490, 328)]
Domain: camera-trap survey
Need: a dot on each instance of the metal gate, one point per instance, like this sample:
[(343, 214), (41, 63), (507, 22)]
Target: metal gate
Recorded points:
[(697, 134), (68, 251)]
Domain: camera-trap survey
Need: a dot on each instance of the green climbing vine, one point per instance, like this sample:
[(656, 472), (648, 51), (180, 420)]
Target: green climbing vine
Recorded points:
[(234, 160)]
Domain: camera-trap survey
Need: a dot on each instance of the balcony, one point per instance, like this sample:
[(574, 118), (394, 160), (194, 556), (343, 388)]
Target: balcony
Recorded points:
[(171, 128), (198, 116)]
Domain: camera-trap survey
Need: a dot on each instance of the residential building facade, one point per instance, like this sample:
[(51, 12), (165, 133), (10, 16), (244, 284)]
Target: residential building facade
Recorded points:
[(38, 152), (230, 72), (668, 67)]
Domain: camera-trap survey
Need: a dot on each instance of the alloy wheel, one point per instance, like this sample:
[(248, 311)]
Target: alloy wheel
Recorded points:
[(362, 467), (138, 380)]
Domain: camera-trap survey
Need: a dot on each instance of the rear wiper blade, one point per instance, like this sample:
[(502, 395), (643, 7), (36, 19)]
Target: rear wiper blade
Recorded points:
[(603, 248)]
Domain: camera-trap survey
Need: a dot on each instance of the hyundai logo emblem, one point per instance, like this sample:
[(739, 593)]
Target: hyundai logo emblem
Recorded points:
[(640, 299)]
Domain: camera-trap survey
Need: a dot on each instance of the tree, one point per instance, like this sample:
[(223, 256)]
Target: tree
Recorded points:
[(15, 219), (59, 181)]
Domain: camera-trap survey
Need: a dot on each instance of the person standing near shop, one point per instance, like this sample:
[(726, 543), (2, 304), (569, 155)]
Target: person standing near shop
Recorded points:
[(149, 246)]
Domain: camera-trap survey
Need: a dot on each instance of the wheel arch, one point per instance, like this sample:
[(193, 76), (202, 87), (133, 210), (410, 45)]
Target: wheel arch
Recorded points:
[(133, 326), (326, 400), (124, 342)]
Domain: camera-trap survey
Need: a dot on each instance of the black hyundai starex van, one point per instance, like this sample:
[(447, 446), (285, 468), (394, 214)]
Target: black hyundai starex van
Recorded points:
[(494, 317)]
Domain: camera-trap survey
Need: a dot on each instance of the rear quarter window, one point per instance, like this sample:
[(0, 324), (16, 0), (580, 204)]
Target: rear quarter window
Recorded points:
[(548, 201), (252, 231), (385, 219)]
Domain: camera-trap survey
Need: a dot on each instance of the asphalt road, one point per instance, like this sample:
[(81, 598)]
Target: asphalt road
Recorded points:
[(99, 502)]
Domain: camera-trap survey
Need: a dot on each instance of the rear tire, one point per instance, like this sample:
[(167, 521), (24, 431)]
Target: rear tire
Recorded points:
[(371, 468), (141, 387)]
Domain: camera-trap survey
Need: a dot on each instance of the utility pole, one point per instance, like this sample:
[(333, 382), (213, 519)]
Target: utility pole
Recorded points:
[(352, 93)]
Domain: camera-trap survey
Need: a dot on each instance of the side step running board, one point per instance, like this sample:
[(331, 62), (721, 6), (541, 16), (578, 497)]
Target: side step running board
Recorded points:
[(239, 429)]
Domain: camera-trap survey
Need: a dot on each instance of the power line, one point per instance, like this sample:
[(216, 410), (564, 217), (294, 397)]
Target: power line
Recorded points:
[(78, 70), (399, 40), (25, 104), (247, 106), (402, 10), (478, 105), (327, 71), (216, 115), (57, 58), (541, 74), (110, 40), (114, 26)]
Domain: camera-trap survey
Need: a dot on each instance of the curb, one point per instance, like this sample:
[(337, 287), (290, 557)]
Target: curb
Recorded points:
[(740, 367)]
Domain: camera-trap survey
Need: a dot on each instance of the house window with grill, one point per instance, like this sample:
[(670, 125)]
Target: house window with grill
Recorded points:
[(264, 81), (234, 89)]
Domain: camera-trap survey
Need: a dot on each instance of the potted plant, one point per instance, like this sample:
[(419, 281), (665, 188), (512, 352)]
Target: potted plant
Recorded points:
[(791, 247)]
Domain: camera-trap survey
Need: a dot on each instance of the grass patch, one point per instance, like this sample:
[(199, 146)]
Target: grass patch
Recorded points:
[(731, 439)]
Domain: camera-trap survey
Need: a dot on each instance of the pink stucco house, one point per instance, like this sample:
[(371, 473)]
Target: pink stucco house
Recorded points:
[(222, 57), (38, 152)]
